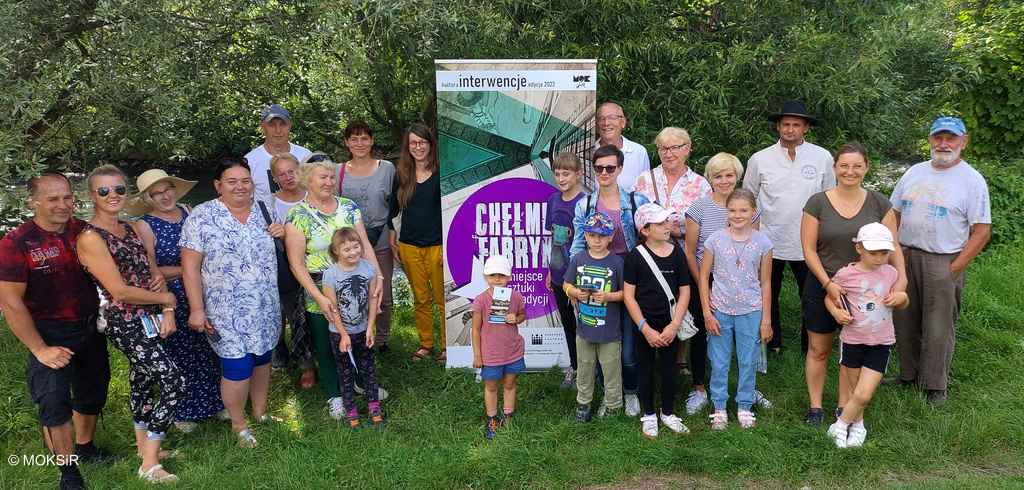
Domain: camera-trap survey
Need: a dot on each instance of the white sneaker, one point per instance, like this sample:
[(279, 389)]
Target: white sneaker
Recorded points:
[(223, 415), (696, 401), (838, 434), (382, 394), (336, 408), (602, 409), (719, 420), (632, 403), (649, 426), (746, 418), (761, 401), (674, 423), (857, 434)]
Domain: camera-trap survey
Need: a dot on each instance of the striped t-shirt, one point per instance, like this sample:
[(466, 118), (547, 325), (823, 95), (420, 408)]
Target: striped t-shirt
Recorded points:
[(710, 217)]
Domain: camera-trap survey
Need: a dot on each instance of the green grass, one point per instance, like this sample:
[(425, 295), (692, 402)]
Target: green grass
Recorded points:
[(434, 437)]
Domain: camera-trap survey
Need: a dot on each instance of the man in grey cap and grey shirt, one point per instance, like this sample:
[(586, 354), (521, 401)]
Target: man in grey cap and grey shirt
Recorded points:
[(276, 125), (945, 220)]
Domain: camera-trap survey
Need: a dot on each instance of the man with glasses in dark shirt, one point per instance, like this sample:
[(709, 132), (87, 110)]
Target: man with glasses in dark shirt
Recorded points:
[(50, 306)]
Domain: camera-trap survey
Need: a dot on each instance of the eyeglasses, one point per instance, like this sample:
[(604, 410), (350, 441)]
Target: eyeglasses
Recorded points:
[(611, 117), (320, 158), (605, 169), (418, 144), (673, 148), (104, 191), (169, 189)]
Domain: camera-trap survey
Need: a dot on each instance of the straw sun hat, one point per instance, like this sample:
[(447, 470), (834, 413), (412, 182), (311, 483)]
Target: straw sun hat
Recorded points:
[(138, 204)]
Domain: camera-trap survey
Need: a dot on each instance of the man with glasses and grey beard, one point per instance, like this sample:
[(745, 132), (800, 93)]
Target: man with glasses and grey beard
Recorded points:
[(610, 123), (276, 126), (945, 219)]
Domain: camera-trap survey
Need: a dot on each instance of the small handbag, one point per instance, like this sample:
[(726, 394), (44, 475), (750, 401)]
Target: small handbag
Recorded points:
[(286, 281), (687, 329)]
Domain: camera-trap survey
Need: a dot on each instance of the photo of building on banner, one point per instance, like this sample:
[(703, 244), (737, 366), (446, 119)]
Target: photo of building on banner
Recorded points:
[(499, 124)]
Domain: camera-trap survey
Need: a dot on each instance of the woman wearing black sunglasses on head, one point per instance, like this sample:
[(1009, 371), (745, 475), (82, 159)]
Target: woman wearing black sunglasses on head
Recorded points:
[(135, 297)]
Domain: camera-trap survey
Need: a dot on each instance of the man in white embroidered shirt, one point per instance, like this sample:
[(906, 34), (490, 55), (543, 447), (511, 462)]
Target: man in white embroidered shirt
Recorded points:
[(783, 176), (610, 123), (945, 219), (276, 126)]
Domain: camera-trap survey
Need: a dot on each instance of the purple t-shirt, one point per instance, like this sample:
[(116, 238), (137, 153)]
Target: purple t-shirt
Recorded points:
[(737, 271), (500, 343), (559, 222), (618, 245), (872, 320)]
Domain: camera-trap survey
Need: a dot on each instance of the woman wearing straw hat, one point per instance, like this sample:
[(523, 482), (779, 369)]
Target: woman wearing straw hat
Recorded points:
[(160, 228)]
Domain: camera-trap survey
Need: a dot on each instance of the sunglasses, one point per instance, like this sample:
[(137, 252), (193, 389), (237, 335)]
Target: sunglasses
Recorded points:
[(319, 158), (605, 169), (118, 189)]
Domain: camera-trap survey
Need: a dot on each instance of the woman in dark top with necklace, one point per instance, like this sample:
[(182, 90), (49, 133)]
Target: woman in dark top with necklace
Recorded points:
[(418, 247), (134, 292)]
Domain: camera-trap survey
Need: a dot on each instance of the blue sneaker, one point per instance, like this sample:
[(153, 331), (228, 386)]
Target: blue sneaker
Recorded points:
[(491, 428)]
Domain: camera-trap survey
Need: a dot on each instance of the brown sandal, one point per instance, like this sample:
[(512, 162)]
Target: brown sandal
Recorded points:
[(308, 379), (442, 357), (421, 353)]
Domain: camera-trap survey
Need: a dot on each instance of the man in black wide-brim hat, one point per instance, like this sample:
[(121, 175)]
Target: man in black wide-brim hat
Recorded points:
[(783, 176)]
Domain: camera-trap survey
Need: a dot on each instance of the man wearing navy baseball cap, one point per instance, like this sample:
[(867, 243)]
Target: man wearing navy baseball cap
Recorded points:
[(276, 126), (945, 220)]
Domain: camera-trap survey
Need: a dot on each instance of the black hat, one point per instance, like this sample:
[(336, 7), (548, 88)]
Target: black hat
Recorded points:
[(793, 108)]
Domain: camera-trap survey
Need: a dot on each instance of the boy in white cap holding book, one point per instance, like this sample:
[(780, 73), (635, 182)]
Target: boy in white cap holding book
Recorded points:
[(498, 349)]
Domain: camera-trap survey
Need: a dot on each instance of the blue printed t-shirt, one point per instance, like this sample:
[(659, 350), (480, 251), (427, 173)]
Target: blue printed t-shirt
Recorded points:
[(737, 271), (352, 295), (559, 222), (599, 322)]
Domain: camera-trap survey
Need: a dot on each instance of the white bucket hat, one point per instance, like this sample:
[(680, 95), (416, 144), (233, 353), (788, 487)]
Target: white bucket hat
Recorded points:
[(138, 206)]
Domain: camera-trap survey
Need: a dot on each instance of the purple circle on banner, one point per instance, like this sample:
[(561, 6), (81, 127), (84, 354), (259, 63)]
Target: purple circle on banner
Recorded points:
[(505, 217)]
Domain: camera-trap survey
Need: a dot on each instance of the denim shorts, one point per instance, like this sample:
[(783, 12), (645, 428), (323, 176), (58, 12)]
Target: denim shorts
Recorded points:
[(493, 373)]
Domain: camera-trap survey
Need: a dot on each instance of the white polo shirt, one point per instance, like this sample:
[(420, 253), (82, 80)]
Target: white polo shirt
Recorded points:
[(635, 162), (938, 207), (259, 163), (782, 187)]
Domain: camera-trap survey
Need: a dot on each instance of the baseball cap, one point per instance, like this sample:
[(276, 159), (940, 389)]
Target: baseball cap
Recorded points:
[(651, 213), (599, 223), (274, 111), (875, 236), (951, 124), (497, 264)]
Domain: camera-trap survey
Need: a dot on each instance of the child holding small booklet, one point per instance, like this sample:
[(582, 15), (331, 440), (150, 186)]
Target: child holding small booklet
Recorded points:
[(868, 334), (594, 280), (498, 349)]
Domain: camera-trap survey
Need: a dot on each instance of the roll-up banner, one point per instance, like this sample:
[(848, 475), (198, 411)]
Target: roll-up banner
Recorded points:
[(499, 124)]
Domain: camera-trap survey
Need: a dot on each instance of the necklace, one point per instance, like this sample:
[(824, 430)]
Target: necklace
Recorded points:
[(739, 254)]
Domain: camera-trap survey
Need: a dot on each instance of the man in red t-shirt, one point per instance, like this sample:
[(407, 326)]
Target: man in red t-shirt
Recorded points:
[(50, 305)]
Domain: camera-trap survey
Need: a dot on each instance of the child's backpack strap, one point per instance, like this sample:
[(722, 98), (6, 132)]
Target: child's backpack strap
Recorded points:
[(632, 202)]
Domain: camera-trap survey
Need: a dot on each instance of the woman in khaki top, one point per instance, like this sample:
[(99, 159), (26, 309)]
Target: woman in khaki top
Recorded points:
[(830, 221)]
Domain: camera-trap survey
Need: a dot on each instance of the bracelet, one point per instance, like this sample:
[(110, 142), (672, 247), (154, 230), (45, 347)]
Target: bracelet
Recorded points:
[(166, 309), (640, 326)]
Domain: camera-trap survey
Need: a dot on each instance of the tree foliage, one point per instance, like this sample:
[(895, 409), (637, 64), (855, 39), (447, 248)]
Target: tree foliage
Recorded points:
[(182, 80), (990, 54)]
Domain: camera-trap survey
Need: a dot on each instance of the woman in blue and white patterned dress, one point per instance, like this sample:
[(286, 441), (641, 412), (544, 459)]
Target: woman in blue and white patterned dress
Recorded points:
[(230, 272), (160, 229)]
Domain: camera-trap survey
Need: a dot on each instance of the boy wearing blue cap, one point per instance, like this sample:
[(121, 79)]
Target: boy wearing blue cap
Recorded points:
[(593, 280)]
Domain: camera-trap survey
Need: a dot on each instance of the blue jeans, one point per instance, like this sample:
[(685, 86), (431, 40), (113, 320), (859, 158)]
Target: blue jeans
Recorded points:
[(745, 331), (629, 360)]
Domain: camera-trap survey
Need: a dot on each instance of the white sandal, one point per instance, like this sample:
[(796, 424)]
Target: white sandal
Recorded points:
[(149, 476), (246, 440)]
